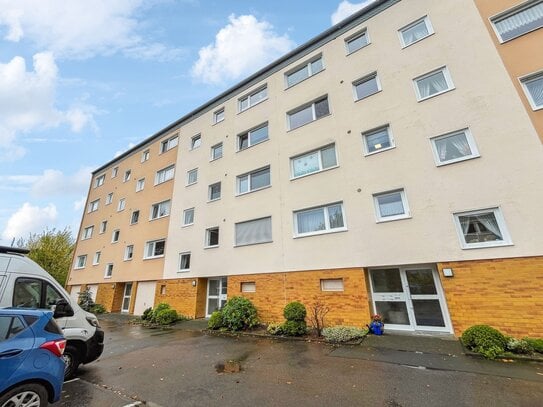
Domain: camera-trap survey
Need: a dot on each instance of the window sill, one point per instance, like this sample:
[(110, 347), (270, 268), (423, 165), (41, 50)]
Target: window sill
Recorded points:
[(416, 41), (215, 159), (392, 219), (107, 277), (254, 190), (79, 268), (127, 259), (160, 217), (193, 183), (187, 225), (153, 257), (183, 271), (382, 150), (252, 244), (485, 245), (308, 123), (314, 173), (434, 95), (95, 264), (217, 122), (457, 160), (211, 247), (319, 233)]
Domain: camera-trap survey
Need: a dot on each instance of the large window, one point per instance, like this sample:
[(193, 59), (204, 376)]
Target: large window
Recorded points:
[(308, 113), (169, 143), (391, 205), (482, 228), (304, 71), (253, 181), (154, 248), (533, 87), (192, 176), (323, 219), (214, 191), (314, 161), (87, 232), (165, 174), (188, 217), (433, 83), (366, 86), (81, 261), (253, 232), (377, 140), (415, 31), (253, 136), (357, 41), (252, 99), (519, 20), (453, 147), (160, 210), (212, 237)]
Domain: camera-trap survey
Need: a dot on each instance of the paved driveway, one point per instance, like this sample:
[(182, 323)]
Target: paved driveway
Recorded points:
[(183, 368)]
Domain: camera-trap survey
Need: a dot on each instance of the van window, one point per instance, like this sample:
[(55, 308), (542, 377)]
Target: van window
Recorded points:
[(51, 296), (34, 293)]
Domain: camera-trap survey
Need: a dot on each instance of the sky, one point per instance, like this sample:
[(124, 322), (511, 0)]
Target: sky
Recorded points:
[(83, 81)]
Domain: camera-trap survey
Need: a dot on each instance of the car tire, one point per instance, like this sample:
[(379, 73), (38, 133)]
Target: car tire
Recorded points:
[(23, 395), (72, 360)]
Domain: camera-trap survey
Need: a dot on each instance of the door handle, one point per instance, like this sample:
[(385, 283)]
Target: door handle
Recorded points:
[(10, 353)]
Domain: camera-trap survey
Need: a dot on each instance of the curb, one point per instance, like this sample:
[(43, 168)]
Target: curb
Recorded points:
[(518, 358)]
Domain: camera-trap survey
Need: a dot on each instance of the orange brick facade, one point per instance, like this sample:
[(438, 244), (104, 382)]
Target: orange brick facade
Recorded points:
[(183, 296), (111, 296)]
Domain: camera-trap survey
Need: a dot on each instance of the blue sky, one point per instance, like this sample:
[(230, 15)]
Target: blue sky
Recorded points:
[(82, 81)]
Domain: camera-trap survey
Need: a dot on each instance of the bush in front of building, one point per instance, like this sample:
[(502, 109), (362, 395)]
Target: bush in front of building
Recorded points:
[(98, 309), (275, 329), (239, 313), (536, 344), (341, 334), (485, 340), (147, 314), (86, 302), (520, 346), (166, 316), (295, 311), (216, 320)]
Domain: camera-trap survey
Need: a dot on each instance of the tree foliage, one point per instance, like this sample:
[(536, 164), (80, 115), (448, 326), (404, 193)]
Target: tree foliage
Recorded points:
[(52, 250)]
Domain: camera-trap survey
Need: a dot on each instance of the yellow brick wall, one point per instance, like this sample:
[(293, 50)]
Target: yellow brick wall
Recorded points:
[(201, 298), (180, 294), (504, 293), (105, 295), (118, 294)]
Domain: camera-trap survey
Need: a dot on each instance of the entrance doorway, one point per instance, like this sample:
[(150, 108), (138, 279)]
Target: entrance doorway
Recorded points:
[(410, 298), (216, 294), (126, 297)]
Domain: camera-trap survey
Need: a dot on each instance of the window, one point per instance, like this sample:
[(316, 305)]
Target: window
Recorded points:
[(99, 181), (154, 249), (314, 161), (332, 284), (145, 155), (323, 219), (254, 98), (140, 184), (218, 116), (121, 205), (96, 259), (518, 21), (109, 270), (216, 151), (81, 261), (34, 293), (415, 31), (248, 287), (165, 174), (195, 141), (160, 210), (11, 326), (212, 237), (366, 86), (453, 147), (482, 228), (433, 83), (168, 144), (308, 113), (215, 191), (129, 252), (163, 289), (533, 87), (377, 140), (252, 137), (188, 217), (127, 175), (192, 176), (103, 226), (114, 172), (93, 206), (135, 217), (253, 181), (115, 236), (184, 261), (357, 41), (87, 232), (391, 206), (109, 198), (300, 73), (254, 231)]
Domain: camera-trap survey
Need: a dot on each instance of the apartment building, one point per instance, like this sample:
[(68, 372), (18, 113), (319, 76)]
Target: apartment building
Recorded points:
[(390, 165)]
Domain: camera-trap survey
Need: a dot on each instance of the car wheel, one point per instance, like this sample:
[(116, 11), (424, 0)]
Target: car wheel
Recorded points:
[(71, 361), (25, 395)]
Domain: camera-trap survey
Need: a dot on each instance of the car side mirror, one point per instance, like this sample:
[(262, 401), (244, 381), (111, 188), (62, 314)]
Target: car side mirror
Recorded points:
[(63, 309)]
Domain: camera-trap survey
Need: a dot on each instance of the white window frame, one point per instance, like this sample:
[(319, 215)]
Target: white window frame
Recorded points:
[(114, 171), (403, 196), (80, 262), (152, 243), (529, 78), (366, 78), (327, 228), (215, 148), (132, 217), (249, 175), (248, 287), (509, 13), (367, 133), (471, 143), (479, 245), (321, 169), (115, 235), (169, 143), (313, 112), (181, 255), (128, 252), (96, 258), (93, 206), (307, 66), (185, 212), (99, 180), (248, 133), (208, 235), (165, 174), (189, 172), (448, 79), (158, 206), (109, 270), (140, 184), (103, 226), (145, 154), (219, 115), (109, 198), (195, 142), (332, 284), (250, 96), (121, 205), (361, 33), (127, 175), (429, 28), (87, 232), (209, 199)]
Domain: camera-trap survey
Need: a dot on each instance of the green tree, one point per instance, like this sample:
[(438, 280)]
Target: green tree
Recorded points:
[(52, 250)]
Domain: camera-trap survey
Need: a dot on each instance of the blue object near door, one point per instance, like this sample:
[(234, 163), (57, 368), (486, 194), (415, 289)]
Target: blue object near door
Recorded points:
[(377, 328)]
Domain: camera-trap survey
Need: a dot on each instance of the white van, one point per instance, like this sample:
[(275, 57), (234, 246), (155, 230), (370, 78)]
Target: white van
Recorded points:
[(24, 284)]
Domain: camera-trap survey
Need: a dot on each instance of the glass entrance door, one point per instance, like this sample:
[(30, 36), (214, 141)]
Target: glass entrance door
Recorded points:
[(216, 294), (126, 297), (409, 298)]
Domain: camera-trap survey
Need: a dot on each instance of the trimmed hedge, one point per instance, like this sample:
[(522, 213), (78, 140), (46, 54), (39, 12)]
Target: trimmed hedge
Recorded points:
[(485, 340), (239, 313), (295, 311), (340, 334), (216, 320)]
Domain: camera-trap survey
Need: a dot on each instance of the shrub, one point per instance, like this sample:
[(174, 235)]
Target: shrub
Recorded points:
[(166, 316), (294, 328), (159, 308), (84, 300), (485, 340), (536, 344), (216, 320), (97, 309), (295, 311), (340, 334), (275, 329), (239, 313), (519, 346), (147, 314)]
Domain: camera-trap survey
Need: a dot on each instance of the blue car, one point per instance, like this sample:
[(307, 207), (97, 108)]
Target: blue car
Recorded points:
[(31, 364)]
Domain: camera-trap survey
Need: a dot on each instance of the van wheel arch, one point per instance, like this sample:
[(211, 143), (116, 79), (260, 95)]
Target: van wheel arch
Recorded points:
[(73, 355)]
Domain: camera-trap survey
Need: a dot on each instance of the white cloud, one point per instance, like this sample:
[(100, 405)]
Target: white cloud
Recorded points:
[(80, 28), (30, 219), (241, 47), (128, 147), (80, 204), (346, 8)]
